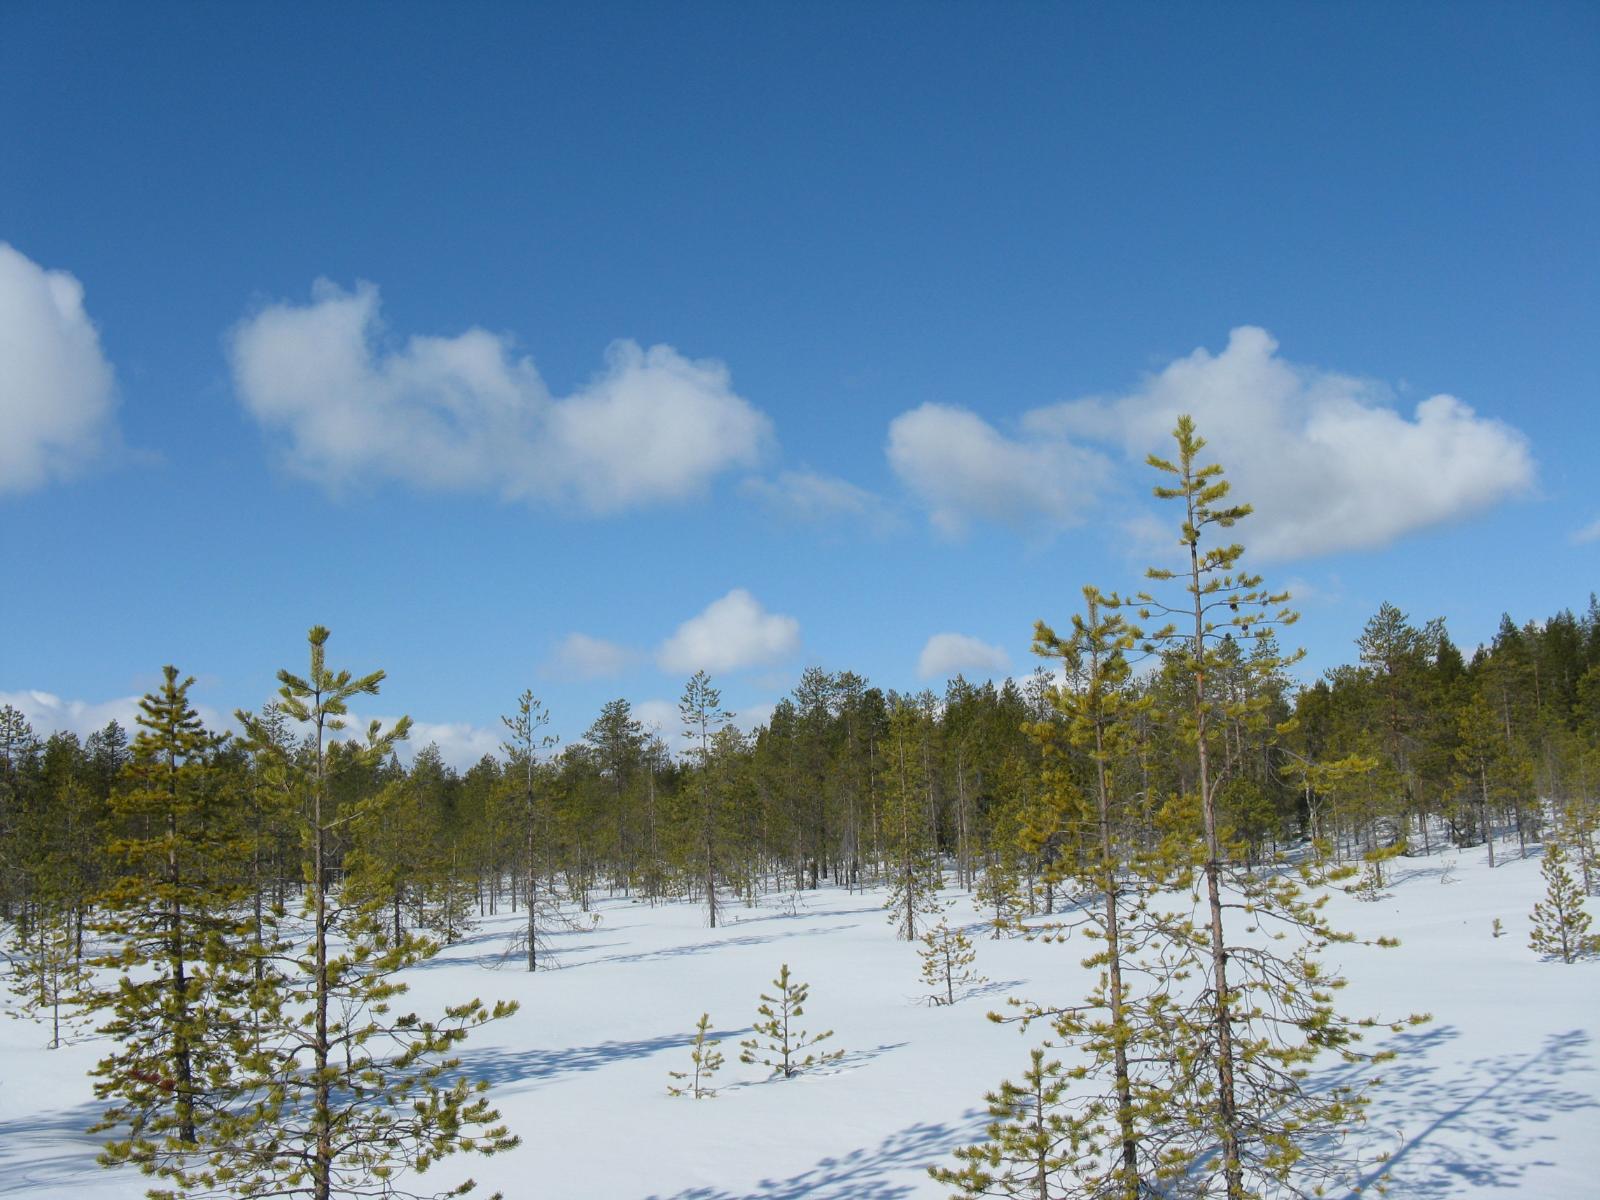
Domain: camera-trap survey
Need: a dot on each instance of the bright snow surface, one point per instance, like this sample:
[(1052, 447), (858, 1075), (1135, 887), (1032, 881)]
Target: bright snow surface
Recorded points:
[(1499, 1095)]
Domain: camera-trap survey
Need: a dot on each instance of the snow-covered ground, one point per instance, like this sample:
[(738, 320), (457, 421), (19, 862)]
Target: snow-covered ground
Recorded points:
[(1499, 1095)]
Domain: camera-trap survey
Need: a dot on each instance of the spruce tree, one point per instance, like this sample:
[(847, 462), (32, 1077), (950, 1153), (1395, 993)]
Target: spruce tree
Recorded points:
[(1560, 923), (787, 1049), (705, 1060)]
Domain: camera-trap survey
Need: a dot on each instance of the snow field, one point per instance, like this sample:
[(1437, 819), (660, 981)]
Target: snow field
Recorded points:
[(1499, 1095)]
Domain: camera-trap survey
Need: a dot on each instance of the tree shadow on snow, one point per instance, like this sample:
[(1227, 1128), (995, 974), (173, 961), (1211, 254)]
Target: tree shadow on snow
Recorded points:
[(50, 1150), (1477, 1123), (750, 939), (864, 1174), (995, 987), (506, 1068), (801, 913)]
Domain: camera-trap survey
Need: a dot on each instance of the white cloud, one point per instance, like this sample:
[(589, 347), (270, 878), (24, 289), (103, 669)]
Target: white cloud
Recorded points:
[(57, 392), (660, 716), (963, 469), (465, 413), (49, 713), (948, 654), (752, 716), (813, 498), (1589, 533), (1325, 459), (460, 745), (579, 656), (732, 633)]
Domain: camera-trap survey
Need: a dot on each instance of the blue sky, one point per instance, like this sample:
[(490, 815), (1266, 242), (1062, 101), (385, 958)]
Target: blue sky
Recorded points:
[(569, 347)]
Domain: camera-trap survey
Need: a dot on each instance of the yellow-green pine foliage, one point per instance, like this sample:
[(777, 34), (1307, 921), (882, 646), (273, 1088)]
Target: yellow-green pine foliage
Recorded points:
[(1113, 863), (908, 836), (704, 1062), (174, 918), (1037, 1143), (1560, 922), (1262, 1011), (342, 1091), (947, 962), (779, 1043), (48, 976)]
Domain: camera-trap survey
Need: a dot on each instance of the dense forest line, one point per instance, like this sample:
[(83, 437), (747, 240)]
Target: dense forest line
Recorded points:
[(1410, 742), (255, 891)]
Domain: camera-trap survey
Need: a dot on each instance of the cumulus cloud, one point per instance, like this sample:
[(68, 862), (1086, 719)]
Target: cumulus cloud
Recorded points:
[(732, 633), (57, 391), (460, 745), (1327, 460), (963, 469), (466, 413), (1589, 533), (948, 654), (49, 713), (812, 498), (579, 656)]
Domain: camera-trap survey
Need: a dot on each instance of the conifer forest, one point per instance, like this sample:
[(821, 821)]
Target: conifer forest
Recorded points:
[(707, 600), (1162, 918)]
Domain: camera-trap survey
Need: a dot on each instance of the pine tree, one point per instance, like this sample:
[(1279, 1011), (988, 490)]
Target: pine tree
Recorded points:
[(999, 892), (947, 957), (914, 875), (1037, 1144), (1263, 1014), (1117, 870), (1560, 924), (1371, 885), (337, 1093), (705, 1061), (787, 1050), (523, 751), (186, 978), (50, 980), (701, 711)]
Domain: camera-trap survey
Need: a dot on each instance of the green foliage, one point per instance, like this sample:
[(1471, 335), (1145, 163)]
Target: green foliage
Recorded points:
[(705, 1060), (185, 969), (47, 975), (914, 875), (1037, 1147), (999, 893), (1264, 1012), (947, 962), (786, 1049), (711, 745), (1560, 923), (527, 779), (330, 1089)]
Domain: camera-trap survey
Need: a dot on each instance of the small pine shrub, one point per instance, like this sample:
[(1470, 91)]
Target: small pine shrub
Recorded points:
[(705, 1060), (947, 956), (786, 1049), (1560, 924)]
